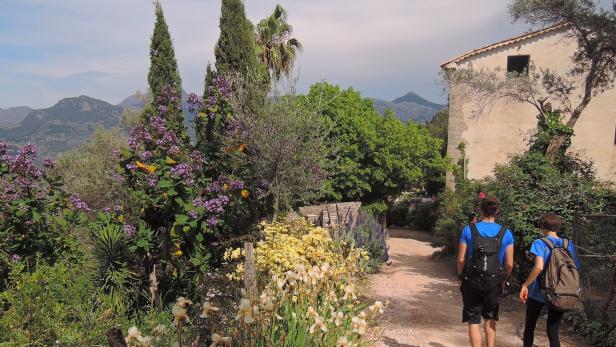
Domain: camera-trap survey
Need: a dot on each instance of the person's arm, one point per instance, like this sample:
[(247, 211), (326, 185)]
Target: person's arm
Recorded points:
[(509, 260), (461, 257), (537, 269)]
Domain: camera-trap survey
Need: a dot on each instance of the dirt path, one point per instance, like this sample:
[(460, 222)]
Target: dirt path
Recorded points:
[(425, 303)]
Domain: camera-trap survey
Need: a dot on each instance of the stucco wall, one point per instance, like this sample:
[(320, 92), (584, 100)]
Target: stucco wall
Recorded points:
[(504, 128)]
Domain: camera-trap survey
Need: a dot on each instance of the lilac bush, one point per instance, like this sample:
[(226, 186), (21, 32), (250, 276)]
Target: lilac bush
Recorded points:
[(37, 218)]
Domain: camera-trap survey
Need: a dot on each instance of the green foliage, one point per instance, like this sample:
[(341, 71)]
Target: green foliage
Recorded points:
[(398, 215), (37, 217), (88, 170), (114, 263), (286, 151), (235, 50), (549, 126), (376, 157), (54, 306), (424, 216), (276, 48), (164, 72), (527, 187), (367, 234), (438, 127)]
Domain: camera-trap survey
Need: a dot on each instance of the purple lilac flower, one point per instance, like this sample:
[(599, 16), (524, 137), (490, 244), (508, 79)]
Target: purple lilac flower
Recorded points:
[(24, 182), (28, 149), (107, 210), (48, 163), (193, 214), (212, 221), (3, 147), (131, 166), (162, 110), (15, 258), (194, 102), (198, 202), (216, 205), (197, 158), (139, 134), (214, 187), (181, 170), (117, 208), (116, 153), (169, 139), (237, 184), (175, 150), (78, 203), (158, 124), (151, 180), (145, 155), (130, 230)]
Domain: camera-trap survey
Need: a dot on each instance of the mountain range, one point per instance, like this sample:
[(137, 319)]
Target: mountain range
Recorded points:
[(72, 121), (410, 107)]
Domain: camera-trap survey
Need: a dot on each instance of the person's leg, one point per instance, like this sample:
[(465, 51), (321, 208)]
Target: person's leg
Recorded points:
[(491, 307), (490, 328), (554, 318), (471, 313), (533, 310), (474, 333)]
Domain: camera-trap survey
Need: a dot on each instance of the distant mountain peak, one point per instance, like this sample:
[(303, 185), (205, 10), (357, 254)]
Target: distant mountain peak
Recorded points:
[(410, 106), (414, 97)]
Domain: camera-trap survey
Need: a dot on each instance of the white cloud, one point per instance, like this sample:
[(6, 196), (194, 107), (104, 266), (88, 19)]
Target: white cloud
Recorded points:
[(383, 48)]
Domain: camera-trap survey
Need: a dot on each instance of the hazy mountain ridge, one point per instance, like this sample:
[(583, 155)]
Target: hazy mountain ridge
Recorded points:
[(62, 126), (410, 107), (72, 121), (13, 115)]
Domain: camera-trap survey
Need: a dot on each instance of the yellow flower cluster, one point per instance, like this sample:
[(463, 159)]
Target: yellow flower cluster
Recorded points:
[(288, 244)]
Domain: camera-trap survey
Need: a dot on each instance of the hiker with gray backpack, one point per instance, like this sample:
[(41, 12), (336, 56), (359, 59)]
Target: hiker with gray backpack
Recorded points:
[(554, 280)]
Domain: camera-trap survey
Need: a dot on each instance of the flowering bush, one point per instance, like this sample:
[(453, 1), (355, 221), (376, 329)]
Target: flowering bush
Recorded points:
[(288, 244), (175, 210), (37, 218), (306, 300)]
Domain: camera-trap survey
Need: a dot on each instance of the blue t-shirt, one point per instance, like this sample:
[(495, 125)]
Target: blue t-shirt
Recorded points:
[(486, 229), (540, 249)]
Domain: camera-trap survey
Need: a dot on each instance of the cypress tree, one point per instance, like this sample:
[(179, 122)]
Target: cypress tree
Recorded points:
[(235, 50), (164, 69)]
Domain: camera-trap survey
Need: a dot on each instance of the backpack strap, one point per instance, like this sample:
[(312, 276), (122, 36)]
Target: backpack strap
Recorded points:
[(566, 243), (549, 243), (474, 231), (500, 236)]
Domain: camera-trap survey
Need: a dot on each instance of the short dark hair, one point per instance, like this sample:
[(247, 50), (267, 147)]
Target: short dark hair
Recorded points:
[(489, 206), (550, 221)]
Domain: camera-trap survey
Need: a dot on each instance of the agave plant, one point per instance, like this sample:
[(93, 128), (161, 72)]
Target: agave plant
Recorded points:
[(110, 249)]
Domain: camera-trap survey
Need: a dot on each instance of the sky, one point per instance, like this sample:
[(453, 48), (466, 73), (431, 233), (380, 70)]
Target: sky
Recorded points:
[(52, 49)]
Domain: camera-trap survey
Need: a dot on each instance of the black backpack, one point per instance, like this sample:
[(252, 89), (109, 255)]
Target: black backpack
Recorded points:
[(484, 271)]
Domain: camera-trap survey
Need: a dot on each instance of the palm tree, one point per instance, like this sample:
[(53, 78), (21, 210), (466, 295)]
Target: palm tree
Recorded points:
[(276, 48)]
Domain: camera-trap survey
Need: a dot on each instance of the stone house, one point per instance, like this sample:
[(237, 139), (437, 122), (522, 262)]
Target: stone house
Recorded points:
[(505, 127)]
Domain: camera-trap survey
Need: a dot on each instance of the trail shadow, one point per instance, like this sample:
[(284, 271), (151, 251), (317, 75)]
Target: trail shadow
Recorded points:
[(402, 233), (388, 341)]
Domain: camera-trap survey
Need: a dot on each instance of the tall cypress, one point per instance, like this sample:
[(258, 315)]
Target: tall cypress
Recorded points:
[(235, 50), (164, 69)]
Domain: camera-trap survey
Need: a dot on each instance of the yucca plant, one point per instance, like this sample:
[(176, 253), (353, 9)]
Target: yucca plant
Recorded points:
[(112, 256)]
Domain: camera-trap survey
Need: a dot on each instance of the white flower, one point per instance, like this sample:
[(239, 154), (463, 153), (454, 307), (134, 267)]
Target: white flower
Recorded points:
[(349, 293), (180, 310), (311, 312), (336, 317), (344, 342), (377, 307), (319, 324), (245, 311), (208, 310), (359, 325)]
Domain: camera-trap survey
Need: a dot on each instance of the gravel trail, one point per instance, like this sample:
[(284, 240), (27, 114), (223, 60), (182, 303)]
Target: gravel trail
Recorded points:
[(425, 303)]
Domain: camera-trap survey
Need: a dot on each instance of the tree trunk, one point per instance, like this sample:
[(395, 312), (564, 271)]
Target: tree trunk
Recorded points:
[(555, 145)]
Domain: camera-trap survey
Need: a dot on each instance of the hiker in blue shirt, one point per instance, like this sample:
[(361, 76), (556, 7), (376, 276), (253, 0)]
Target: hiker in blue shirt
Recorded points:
[(531, 293), (485, 260)]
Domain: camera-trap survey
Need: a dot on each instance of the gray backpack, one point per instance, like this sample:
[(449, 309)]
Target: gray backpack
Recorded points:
[(561, 280)]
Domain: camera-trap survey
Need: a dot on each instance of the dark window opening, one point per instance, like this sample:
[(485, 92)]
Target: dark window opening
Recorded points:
[(518, 64)]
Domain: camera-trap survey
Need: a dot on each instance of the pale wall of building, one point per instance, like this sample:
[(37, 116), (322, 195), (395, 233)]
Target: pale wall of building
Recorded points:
[(504, 128)]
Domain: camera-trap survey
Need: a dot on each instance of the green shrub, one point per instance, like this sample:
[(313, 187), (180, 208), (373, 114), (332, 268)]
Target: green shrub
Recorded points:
[(398, 215), (54, 305), (424, 216), (369, 235)]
